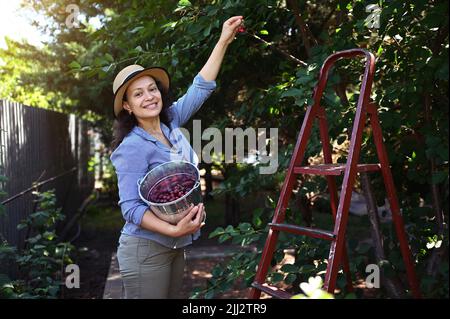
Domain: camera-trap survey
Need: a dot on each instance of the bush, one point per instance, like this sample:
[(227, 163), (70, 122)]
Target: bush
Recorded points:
[(41, 262)]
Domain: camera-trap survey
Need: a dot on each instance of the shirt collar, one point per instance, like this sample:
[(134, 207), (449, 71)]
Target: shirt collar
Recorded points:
[(147, 136), (143, 133)]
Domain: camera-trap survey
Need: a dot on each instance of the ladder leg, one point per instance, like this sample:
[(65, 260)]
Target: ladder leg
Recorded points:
[(338, 246), (266, 258), (345, 261), (286, 191), (332, 189), (393, 202), (325, 139), (269, 246), (335, 259)]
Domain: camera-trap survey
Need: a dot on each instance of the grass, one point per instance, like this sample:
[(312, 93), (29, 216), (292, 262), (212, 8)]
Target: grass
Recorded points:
[(103, 218)]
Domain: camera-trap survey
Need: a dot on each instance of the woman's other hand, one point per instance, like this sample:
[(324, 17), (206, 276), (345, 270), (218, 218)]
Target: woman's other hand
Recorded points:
[(229, 29), (192, 222)]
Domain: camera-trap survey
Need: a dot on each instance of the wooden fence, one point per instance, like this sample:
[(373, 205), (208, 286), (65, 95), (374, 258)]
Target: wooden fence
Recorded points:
[(36, 145)]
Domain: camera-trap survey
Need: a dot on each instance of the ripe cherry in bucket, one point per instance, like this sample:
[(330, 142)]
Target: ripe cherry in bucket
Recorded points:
[(171, 189)]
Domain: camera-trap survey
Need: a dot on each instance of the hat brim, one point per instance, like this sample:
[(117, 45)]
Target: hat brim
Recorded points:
[(157, 73)]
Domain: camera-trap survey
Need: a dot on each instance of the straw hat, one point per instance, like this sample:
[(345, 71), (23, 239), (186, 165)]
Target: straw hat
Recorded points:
[(128, 74)]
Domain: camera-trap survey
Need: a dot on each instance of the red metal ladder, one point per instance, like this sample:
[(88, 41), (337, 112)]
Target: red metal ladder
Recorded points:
[(339, 206)]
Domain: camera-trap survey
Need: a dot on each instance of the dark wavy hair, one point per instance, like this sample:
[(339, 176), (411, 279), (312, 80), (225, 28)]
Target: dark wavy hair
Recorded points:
[(125, 122)]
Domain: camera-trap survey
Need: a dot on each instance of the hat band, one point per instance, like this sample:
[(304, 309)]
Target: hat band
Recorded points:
[(131, 75)]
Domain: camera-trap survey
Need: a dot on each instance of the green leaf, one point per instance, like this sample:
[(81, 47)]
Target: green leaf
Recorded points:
[(137, 29), (229, 229), (264, 32), (304, 80), (244, 227), (109, 57), (169, 25), (277, 277), (380, 50), (184, 3), (22, 226), (224, 237), (213, 12), (238, 239), (74, 65), (207, 31), (306, 269), (289, 268), (218, 231), (292, 92), (257, 221), (196, 28), (49, 235), (290, 278)]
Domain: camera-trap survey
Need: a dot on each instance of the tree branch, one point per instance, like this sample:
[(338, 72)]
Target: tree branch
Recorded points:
[(327, 18), (281, 51)]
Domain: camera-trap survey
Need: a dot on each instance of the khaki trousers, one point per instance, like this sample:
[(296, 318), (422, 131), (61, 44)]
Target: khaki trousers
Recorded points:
[(150, 270)]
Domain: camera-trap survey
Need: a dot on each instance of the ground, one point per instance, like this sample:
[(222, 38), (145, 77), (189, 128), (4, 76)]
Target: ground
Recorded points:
[(94, 260)]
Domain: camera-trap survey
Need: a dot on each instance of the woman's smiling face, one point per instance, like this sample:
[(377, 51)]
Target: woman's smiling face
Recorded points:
[(143, 98)]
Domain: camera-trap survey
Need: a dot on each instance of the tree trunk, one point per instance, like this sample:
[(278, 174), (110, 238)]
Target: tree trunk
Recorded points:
[(231, 210), (302, 26), (393, 286), (437, 254), (208, 181)]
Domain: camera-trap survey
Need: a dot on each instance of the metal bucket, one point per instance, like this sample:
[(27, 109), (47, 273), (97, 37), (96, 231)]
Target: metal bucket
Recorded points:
[(172, 211)]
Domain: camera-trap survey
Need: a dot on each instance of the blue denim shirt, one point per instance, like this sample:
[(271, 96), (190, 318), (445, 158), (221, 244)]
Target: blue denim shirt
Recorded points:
[(139, 152)]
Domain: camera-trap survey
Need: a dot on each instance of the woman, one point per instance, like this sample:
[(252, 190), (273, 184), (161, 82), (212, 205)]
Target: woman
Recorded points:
[(151, 251)]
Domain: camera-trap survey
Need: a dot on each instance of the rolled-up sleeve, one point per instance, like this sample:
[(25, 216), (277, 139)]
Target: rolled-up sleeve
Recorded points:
[(131, 164), (186, 106)]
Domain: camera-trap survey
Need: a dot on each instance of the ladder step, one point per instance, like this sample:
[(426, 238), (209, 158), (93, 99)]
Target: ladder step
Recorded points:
[(272, 291), (333, 169), (299, 230)]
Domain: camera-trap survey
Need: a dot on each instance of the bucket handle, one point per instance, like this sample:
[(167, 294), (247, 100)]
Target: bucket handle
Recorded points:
[(204, 218)]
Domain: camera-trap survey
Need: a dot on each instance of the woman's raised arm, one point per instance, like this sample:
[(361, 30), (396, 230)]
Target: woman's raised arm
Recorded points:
[(211, 68)]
